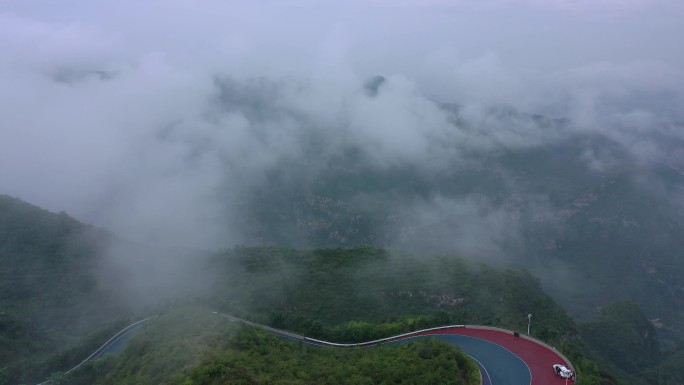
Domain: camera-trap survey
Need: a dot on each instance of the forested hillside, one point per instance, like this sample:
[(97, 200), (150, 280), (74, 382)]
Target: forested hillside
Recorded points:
[(580, 200), (343, 295), (193, 346), (346, 170), (50, 299), (303, 290)]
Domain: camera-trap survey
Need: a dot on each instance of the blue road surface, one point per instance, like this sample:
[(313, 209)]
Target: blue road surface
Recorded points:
[(483, 372), (117, 346), (497, 364)]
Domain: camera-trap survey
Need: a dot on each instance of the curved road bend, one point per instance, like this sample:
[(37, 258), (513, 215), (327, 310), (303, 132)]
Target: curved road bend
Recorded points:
[(481, 360), (118, 345), (538, 357), (503, 358), (114, 345), (527, 361), (498, 365)]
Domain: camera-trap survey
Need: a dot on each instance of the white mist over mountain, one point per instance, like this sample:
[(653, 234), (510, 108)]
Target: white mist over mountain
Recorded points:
[(153, 119)]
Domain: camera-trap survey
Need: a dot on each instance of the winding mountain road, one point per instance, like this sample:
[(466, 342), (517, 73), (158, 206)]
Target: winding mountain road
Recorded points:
[(504, 358)]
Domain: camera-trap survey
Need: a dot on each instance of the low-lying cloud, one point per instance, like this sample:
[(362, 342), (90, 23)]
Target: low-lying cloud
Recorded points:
[(157, 119)]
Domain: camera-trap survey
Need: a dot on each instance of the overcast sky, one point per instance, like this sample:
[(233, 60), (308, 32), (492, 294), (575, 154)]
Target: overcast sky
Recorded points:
[(102, 104)]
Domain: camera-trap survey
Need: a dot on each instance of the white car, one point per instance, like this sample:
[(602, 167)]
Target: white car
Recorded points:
[(564, 372)]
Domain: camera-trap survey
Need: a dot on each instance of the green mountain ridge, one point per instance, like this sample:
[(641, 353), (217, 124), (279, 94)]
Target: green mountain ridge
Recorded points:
[(548, 208), (345, 295)]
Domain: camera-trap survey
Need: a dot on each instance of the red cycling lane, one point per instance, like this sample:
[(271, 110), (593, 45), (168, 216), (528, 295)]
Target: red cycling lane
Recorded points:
[(539, 358)]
